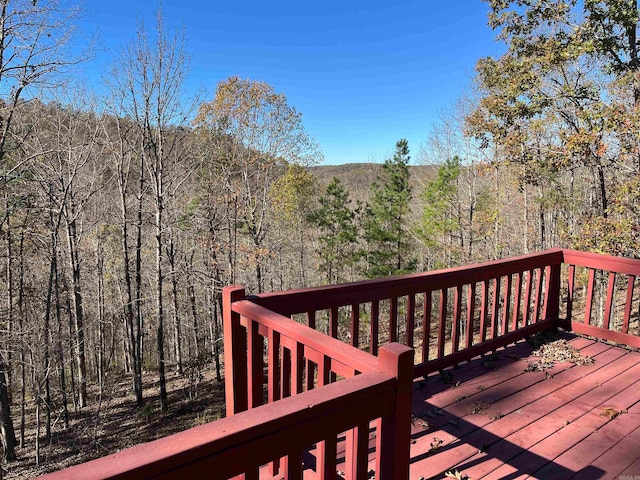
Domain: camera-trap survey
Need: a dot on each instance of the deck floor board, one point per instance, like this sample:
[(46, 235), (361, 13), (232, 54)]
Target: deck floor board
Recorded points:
[(494, 420)]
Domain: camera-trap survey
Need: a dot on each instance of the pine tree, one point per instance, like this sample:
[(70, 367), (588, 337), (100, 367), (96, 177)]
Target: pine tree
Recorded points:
[(440, 213), (335, 220), (388, 249)]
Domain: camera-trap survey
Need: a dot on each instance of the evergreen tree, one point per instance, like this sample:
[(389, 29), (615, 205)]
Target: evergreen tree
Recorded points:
[(441, 216), (388, 250), (335, 220)]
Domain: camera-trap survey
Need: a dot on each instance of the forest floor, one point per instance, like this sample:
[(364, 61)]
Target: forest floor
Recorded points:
[(115, 424)]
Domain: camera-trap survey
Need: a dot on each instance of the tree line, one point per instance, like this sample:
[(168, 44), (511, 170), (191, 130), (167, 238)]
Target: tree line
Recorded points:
[(124, 214)]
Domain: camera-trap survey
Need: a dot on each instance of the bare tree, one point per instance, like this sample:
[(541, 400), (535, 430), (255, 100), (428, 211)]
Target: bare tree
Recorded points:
[(149, 83)]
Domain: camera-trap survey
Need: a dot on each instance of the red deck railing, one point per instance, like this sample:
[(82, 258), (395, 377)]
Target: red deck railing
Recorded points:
[(302, 393)]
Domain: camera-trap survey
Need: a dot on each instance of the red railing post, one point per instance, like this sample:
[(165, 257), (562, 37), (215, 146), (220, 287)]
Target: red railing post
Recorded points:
[(235, 352), (394, 432), (552, 293)]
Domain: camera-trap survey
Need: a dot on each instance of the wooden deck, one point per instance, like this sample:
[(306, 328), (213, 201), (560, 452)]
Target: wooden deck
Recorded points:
[(491, 419)]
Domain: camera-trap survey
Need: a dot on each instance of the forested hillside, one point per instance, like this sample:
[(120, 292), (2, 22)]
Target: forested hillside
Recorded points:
[(125, 213)]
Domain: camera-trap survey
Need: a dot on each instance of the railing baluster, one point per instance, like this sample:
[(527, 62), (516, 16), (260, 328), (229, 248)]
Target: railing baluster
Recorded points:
[(297, 368), (484, 301), (273, 365), (333, 322), (426, 326), (355, 324), (526, 318), (393, 319), (570, 294), (506, 309), (471, 310), (255, 351), (311, 366), (536, 306), (589, 301), (455, 327), (326, 454), (609, 305), (292, 468), (285, 375), (356, 452), (411, 319), (627, 306), (442, 320), (375, 314), (496, 307), (324, 371), (516, 302), (252, 474)]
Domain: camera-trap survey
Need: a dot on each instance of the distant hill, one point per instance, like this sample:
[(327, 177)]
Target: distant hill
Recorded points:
[(357, 177)]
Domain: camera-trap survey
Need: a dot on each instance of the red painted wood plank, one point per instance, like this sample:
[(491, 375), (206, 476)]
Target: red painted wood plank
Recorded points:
[(357, 449), (326, 454), (333, 321), (571, 278), (273, 366), (506, 308), (411, 320), (556, 432), (360, 360), (255, 373), (624, 339), (489, 345), (627, 306), (471, 308), (235, 338), (426, 326), (538, 295), (609, 304), (393, 320), (615, 460), (594, 446), (297, 368), (375, 319), (442, 320), (311, 365), (232, 445), (589, 302), (484, 302), (517, 302), (503, 401), (527, 299), (285, 372), (355, 325), (297, 301), (602, 262), (496, 307), (455, 326)]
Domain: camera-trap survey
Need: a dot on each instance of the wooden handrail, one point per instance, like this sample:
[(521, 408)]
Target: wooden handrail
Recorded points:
[(292, 302), (357, 359), (244, 442)]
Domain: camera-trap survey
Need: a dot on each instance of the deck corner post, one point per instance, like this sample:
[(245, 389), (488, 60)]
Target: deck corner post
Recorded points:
[(394, 440), (552, 293), (235, 352)]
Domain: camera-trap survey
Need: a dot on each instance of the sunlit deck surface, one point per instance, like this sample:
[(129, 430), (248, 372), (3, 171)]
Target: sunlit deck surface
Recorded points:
[(491, 419)]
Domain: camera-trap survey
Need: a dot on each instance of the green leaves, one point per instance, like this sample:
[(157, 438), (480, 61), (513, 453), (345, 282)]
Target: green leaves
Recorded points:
[(388, 250), (335, 219)]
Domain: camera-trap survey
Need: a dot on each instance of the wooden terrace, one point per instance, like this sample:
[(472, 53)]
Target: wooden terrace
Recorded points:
[(421, 376)]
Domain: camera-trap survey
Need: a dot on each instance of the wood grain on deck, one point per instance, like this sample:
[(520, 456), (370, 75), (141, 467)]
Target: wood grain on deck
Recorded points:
[(491, 419)]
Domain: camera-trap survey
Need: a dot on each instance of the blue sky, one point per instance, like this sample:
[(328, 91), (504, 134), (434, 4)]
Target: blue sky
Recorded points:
[(363, 74)]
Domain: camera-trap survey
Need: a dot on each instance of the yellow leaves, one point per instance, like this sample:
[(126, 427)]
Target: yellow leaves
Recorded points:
[(292, 191)]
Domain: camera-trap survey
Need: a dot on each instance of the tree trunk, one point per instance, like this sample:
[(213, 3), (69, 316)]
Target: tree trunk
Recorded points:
[(78, 314), (177, 347), (6, 424)]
